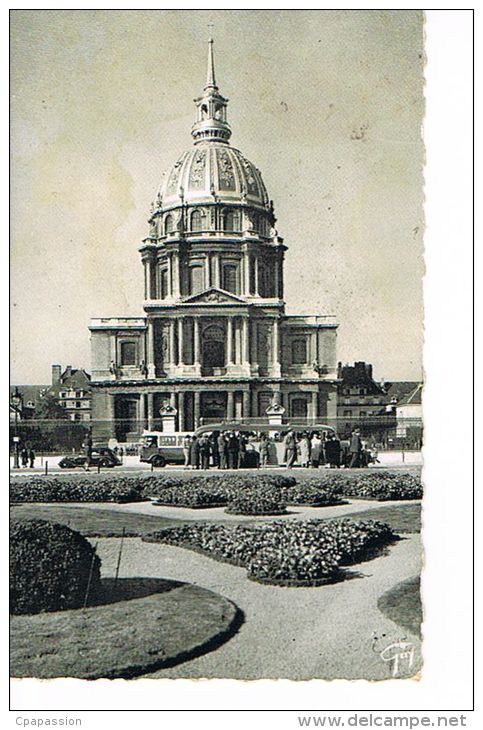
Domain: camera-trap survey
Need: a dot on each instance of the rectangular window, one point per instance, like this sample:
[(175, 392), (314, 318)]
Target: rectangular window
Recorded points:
[(299, 352), (163, 283), (348, 413), (196, 279), (299, 408), (230, 278), (128, 353)]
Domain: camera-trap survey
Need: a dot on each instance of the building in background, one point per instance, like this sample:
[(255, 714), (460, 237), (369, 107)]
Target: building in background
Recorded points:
[(72, 391), (409, 418), (215, 341)]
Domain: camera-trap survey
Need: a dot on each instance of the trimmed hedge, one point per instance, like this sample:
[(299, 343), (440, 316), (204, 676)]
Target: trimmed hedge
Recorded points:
[(199, 491), (77, 488), (285, 553), (51, 567)]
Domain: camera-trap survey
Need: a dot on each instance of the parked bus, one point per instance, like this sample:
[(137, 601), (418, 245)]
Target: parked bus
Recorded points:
[(160, 448)]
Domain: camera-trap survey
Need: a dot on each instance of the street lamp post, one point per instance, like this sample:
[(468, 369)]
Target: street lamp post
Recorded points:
[(16, 402)]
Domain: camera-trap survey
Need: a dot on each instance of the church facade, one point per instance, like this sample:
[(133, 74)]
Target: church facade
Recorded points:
[(215, 341)]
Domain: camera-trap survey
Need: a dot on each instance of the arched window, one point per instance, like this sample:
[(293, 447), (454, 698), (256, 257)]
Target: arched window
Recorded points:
[(231, 220), (168, 225), (196, 221), (299, 352), (230, 278)]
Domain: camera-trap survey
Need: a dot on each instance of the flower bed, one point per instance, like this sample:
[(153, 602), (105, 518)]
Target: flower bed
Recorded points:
[(382, 486), (256, 502), (76, 488), (284, 553)]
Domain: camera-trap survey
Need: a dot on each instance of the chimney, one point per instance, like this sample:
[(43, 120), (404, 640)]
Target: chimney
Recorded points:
[(68, 371), (369, 371), (56, 373)]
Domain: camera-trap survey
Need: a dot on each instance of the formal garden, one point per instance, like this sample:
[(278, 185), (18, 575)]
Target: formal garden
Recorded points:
[(102, 584)]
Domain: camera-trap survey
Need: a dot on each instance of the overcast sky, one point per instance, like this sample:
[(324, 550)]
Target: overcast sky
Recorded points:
[(329, 106)]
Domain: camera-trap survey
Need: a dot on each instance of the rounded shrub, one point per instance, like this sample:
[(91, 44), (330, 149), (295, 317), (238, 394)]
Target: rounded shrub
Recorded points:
[(51, 567)]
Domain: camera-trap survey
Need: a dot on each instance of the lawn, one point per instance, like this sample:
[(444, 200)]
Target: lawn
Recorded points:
[(402, 518), (94, 522), (143, 625), (402, 604)]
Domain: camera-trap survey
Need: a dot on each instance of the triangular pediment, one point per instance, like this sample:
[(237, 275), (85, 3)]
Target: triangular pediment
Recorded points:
[(214, 296)]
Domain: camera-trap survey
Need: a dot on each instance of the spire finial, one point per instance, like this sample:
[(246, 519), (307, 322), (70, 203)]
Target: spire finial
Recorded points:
[(210, 76)]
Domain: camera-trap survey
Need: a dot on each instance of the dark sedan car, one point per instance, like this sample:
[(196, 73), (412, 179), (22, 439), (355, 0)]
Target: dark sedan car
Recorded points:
[(104, 457)]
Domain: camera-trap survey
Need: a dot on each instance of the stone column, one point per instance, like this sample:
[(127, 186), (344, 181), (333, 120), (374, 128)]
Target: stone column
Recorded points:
[(246, 404), (196, 342), (256, 277), (150, 353), (276, 349), (230, 405), (229, 341), (172, 342), (150, 411), (142, 413), (180, 341), (181, 411), (197, 408), (245, 342), (175, 284), (254, 344), (170, 276), (216, 282), (246, 263), (152, 278), (172, 399), (207, 272)]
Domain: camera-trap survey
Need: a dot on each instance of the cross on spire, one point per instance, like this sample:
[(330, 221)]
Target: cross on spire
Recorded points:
[(211, 124), (210, 76)]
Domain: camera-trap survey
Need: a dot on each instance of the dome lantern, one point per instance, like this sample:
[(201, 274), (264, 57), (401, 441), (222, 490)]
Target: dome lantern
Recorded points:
[(211, 124)]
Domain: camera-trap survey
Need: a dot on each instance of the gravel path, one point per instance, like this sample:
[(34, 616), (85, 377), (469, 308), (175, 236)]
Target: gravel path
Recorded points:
[(294, 633), (218, 514)]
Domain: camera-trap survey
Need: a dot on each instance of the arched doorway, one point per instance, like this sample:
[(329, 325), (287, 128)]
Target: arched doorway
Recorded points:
[(213, 349)]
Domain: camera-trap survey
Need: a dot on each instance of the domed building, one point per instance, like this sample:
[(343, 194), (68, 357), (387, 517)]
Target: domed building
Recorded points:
[(215, 342)]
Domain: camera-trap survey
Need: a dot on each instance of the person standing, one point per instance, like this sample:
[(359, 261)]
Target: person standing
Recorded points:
[(233, 449), (263, 449), (355, 449), (204, 451), (304, 450), (315, 447), (222, 451), (24, 456), (242, 450), (332, 451), (214, 452), (32, 458), (290, 444), (195, 453), (186, 451)]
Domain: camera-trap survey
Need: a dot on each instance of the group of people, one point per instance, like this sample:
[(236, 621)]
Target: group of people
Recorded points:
[(221, 450), (229, 450), (27, 457), (314, 450)]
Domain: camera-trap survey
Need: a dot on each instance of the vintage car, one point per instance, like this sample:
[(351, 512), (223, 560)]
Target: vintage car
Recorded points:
[(100, 456)]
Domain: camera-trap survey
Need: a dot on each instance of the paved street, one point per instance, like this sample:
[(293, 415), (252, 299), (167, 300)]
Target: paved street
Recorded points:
[(388, 459)]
